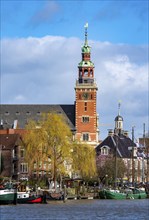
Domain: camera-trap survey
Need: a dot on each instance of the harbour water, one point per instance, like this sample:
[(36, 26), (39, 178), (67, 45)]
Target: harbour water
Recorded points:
[(78, 210)]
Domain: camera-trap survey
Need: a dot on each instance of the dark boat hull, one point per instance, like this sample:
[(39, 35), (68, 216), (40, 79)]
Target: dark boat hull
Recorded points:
[(30, 200), (53, 195)]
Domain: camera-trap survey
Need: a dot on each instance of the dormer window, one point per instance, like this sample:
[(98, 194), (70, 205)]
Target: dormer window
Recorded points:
[(28, 113), (105, 150), (6, 113)]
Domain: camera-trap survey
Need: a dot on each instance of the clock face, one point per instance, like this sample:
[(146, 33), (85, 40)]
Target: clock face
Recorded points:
[(85, 95)]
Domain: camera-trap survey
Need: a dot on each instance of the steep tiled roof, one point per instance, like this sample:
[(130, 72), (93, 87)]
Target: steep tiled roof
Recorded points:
[(22, 113), (122, 143), (7, 141)]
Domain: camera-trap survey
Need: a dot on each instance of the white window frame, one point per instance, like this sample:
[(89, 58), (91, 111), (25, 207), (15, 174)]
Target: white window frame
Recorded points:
[(85, 136), (105, 150), (85, 119), (24, 167)]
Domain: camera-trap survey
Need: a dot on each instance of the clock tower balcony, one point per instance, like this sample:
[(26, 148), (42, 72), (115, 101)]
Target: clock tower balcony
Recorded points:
[(86, 85)]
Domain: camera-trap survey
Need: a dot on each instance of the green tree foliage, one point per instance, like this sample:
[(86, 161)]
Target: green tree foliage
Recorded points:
[(108, 169), (84, 160)]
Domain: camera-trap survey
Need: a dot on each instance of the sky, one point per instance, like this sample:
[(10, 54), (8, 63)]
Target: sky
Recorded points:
[(41, 48)]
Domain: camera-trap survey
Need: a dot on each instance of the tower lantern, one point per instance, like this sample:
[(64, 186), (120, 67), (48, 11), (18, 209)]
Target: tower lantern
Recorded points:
[(119, 121)]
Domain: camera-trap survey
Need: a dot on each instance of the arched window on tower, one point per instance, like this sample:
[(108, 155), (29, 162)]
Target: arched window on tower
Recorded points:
[(80, 73), (91, 73), (85, 72)]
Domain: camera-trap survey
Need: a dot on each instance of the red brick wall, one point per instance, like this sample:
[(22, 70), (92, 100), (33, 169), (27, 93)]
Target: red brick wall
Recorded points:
[(90, 126)]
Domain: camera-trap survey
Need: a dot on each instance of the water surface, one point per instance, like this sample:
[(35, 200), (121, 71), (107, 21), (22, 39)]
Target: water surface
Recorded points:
[(78, 210)]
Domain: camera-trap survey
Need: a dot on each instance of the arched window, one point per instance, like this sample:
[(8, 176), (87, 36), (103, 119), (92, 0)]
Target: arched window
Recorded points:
[(91, 72), (105, 150), (80, 73), (85, 72)]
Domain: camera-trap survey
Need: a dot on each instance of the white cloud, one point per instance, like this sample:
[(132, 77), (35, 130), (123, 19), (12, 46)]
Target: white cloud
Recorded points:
[(44, 70), (20, 98)]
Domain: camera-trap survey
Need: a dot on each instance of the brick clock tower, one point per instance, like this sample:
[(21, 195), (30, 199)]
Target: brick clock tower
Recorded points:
[(86, 118)]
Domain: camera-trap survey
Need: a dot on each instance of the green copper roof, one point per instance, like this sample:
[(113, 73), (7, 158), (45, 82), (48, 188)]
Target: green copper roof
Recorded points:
[(86, 49), (86, 64)]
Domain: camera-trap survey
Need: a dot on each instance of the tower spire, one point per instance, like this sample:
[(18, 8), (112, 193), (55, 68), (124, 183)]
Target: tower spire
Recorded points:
[(86, 27), (119, 106)]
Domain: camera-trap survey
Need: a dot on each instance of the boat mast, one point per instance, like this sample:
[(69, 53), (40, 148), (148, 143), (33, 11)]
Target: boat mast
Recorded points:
[(132, 156), (144, 148), (115, 181)]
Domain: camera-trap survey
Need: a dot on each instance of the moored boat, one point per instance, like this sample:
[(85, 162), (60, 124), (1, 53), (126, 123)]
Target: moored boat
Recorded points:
[(132, 193), (8, 195), (111, 194), (136, 193), (53, 195), (25, 197)]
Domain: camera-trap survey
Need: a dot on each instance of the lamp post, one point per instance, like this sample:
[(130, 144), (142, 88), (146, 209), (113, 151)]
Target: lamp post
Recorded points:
[(106, 180)]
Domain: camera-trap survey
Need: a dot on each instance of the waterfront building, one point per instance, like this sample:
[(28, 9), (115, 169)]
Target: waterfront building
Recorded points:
[(12, 162), (119, 144)]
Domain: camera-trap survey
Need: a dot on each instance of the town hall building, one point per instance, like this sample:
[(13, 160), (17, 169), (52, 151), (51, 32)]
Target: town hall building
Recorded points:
[(81, 117)]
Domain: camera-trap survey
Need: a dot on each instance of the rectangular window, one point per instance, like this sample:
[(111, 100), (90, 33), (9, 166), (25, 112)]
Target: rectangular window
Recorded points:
[(13, 168), (22, 153), (85, 119), (24, 167), (85, 137), (85, 106)]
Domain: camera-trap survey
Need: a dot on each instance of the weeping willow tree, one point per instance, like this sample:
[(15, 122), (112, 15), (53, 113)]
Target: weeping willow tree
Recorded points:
[(48, 141), (84, 160)]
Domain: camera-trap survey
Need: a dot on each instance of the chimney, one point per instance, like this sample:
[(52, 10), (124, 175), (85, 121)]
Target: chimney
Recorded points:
[(126, 133), (110, 132)]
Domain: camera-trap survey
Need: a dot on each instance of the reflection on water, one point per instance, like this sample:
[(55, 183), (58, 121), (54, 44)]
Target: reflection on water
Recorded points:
[(79, 209)]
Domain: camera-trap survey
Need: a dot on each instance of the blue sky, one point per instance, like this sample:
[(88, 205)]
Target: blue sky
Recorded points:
[(115, 21), (41, 48)]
